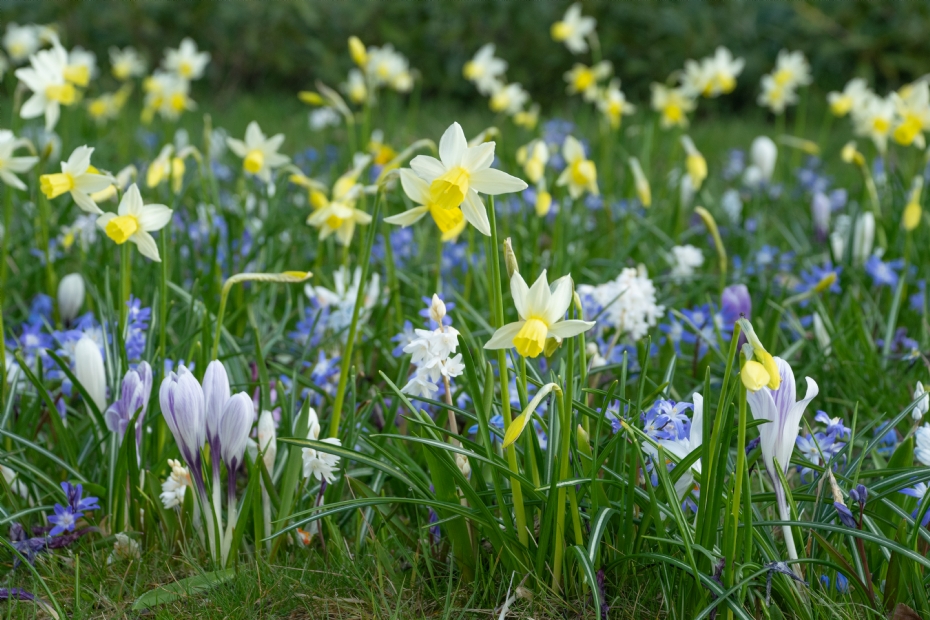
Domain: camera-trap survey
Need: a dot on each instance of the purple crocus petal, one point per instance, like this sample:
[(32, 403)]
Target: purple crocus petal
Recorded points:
[(16, 593), (735, 302), (215, 395), (235, 425)]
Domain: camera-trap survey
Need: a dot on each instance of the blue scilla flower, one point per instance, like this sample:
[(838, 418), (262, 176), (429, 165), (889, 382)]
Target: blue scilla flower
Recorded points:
[(884, 273), (835, 426), (40, 309), (138, 324), (667, 419), (902, 347), (812, 446), (917, 301), (842, 583), (918, 491), (889, 439)]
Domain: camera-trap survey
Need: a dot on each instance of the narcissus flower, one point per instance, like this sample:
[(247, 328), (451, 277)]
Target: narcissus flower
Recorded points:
[(460, 173), (355, 87), (912, 106), (484, 70), (714, 75), (78, 178), (583, 79), (167, 166), (613, 104), (573, 29), (695, 163), (134, 222), (534, 157), (451, 222), (673, 104), (21, 42), (126, 63), (580, 174), (508, 99), (186, 61), (852, 96), (9, 163), (541, 310), (50, 90), (259, 154)]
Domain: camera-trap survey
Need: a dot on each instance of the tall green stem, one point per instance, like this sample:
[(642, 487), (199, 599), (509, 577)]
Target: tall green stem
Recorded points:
[(559, 534), (124, 288), (163, 299), (364, 261), (504, 379)]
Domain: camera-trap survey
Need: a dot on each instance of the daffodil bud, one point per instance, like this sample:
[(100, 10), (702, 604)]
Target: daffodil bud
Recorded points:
[(182, 405), (89, 370), (70, 296), (543, 203), (357, 51), (267, 439), (510, 258), (215, 395), (437, 309), (234, 429), (552, 344), (763, 153)]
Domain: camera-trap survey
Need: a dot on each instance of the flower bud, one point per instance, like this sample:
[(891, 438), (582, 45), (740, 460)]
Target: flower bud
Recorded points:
[(88, 368), (70, 296), (923, 402), (267, 439), (182, 404), (510, 258), (134, 395), (763, 153), (215, 396), (234, 429), (437, 309), (863, 237)]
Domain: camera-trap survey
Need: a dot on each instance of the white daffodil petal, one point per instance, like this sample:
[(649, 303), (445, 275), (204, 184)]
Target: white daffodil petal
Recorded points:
[(154, 217), (567, 329), (503, 337), (492, 181), (146, 244), (474, 212), (452, 146), (426, 167), (520, 292), (561, 299), (407, 217)]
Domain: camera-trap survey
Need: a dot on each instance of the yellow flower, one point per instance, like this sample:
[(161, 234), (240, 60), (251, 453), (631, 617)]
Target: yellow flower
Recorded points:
[(259, 154), (534, 157), (854, 93), (541, 311), (357, 51), (613, 104), (913, 211), (583, 79), (673, 104), (694, 163), (134, 222), (580, 173), (78, 178)]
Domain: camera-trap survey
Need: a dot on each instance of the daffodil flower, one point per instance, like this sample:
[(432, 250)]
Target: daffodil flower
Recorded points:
[(9, 163), (583, 79), (580, 174), (79, 178), (484, 70), (695, 163), (853, 94), (541, 310), (186, 61), (451, 222), (259, 154), (673, 104), (874, 118), (460, 173), (778, 407), (534, 157), (573, 29), (46, 79), (166, 166), (340, 218), (613, 104), (134, 221), (126, 63), (508, 99)]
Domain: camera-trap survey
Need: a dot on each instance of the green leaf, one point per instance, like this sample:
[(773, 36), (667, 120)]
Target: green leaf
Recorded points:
[(590, 576), (181, 589)]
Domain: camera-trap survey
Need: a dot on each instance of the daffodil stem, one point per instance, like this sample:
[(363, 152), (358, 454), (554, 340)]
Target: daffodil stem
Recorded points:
[(163, 299), (124, 288), (224, 296), (504, 380), (737, 486), (364, 261), (558, 536)]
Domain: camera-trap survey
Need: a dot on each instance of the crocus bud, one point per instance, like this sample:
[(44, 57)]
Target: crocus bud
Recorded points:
[(182, 404), (215, 396), (70, 296), (234, 429), (134, 395), (88, 368), (923, 402), (763, 153), (736, 302), (510, 258), (267, 439), (437, 309), (863, 237), (820, 212)]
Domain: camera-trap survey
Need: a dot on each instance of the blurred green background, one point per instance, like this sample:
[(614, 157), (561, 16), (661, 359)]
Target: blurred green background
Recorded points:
[(287, 44)]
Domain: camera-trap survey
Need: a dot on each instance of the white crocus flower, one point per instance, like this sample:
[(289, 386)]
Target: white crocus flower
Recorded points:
[(78, 178), (259, 154), (541, 310), (484, 70), (783, 414), (460, 173), (134, 222), (923, 402), (580, 173), (45, 77), (126, 63), (573, 29), (9, 163), (186, 61)]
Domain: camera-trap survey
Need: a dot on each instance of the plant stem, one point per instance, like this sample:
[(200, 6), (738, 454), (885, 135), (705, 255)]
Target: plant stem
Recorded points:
[(124, 288), (163, 299), (364, 261), (558, 535)]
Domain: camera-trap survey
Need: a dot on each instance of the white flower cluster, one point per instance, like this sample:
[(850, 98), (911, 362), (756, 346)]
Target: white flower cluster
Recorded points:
[(320, 465), (174, 486), (430, 351), (684, 260), (626, 304), (125, 548)]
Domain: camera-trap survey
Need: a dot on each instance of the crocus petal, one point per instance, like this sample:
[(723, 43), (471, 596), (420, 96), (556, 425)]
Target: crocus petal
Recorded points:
[(503, 337)]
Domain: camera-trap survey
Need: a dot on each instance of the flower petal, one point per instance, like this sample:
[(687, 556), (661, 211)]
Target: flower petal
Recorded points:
[(131, 203), (407, 217), (90, 183), (519, 291), (560, 300), (503, 337), (416, 188), (452, 146), (85, 202), (426, 167), (478, 157), (475, 213), (146, 244), (492, 181), (537, 300), (154, 217), (567, 329)]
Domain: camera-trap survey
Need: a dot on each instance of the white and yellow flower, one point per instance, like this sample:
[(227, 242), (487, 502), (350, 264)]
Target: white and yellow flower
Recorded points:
[(45, 77), (80, 66), (484, 70), (792, 70), (641, 183), (534, 157), (77, 177), (580, 174), (186, 61), (167, 94), (673, 104), (912, 106), (584, 80), (355, 87), (135, 221), (9, 163), (259, 154), (695, 163), (126, 63), (167, 166), (613, 104), (451, 222), (460, 173), (527, 118), (508, 99), (541, 311), (875, 119), (21, 42), (573, 29), (776, 96), (714, 75), (853, 95)]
